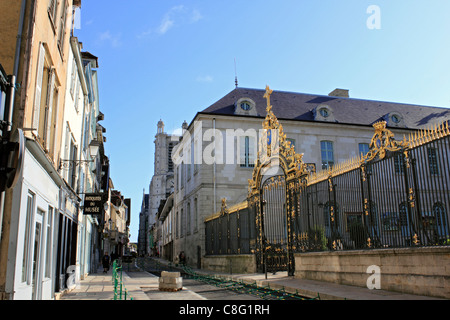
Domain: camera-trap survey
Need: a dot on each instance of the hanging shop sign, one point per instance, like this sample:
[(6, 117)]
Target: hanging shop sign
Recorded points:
[(93, 203)]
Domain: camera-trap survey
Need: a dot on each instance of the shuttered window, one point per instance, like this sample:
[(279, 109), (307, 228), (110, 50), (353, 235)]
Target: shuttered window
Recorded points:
[(62, 25), (53, 9), (49, 110), (38, 92)]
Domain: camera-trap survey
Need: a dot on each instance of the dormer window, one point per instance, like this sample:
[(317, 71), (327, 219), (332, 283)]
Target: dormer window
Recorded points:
[(245, 105), (394, 119), (324, 112)]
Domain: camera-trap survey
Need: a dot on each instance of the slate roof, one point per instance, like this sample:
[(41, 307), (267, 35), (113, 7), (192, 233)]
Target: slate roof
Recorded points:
[(299, 106)]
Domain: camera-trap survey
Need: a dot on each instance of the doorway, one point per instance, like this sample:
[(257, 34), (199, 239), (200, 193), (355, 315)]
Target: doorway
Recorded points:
[(36, 271)]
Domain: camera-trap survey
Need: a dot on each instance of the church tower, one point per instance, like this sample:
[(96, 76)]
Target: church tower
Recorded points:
[(162, 182)]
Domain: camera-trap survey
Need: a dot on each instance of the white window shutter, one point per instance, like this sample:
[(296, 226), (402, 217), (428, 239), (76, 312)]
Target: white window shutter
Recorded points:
[(72, 78), (251, 150), (197, 152), (77, 92), (55, 110), (38, 94), (192, 152), (66, 143), (48, 123), (242, 150)]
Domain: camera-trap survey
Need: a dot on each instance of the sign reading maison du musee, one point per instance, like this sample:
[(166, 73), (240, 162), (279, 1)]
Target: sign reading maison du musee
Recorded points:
[(93, 203)]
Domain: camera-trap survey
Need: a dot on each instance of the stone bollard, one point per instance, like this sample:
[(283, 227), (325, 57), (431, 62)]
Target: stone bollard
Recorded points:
[(170, 281)]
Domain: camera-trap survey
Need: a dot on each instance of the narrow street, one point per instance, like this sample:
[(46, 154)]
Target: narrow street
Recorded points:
[(196, 290), (197, 287)]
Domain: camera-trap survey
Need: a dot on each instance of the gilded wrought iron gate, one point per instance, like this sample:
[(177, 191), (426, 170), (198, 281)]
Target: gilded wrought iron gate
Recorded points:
[(273, 196), (274, 224)]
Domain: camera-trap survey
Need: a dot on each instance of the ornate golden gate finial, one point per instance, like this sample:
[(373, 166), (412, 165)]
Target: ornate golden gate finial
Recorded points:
[(382, 141), (267, 96)]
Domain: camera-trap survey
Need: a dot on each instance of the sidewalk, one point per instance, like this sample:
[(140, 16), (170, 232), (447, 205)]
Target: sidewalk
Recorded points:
[(99, 286), (323, 290), (96, 286)]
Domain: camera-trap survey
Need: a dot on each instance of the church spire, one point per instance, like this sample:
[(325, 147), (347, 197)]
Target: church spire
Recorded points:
[(160, 126)]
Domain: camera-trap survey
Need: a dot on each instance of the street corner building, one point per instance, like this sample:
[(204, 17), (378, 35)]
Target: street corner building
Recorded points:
[(51, 129)]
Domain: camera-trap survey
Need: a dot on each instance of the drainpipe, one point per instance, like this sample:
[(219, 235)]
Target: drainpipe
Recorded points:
[(214, 164), (7, 291), (10, 107), (16, 66)]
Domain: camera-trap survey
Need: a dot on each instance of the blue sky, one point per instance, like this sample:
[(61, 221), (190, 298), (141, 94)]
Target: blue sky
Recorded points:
[(164, 59)]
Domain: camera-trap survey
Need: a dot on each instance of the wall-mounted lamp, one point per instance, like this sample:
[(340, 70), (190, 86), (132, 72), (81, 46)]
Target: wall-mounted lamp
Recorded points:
[(93, 148), (93, 151)]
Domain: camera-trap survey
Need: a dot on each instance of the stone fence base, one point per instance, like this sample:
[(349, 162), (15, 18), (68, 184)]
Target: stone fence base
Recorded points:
[(422, 271), (242, 263)]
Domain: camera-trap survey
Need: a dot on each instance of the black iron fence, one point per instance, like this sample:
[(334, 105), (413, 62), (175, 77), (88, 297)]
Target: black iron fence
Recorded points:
[(232, 231), (401, 200)]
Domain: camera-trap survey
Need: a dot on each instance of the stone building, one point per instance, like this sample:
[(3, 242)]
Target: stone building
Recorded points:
[(119, 223), (143, 226), (35, 48), (161, 186), (47, 243), (216, 155)]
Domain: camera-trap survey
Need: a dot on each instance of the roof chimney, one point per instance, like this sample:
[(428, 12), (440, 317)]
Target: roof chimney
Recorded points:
[(339, 93)]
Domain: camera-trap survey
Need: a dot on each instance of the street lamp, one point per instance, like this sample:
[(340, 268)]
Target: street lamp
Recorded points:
[(93, 148), (93, 151)]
